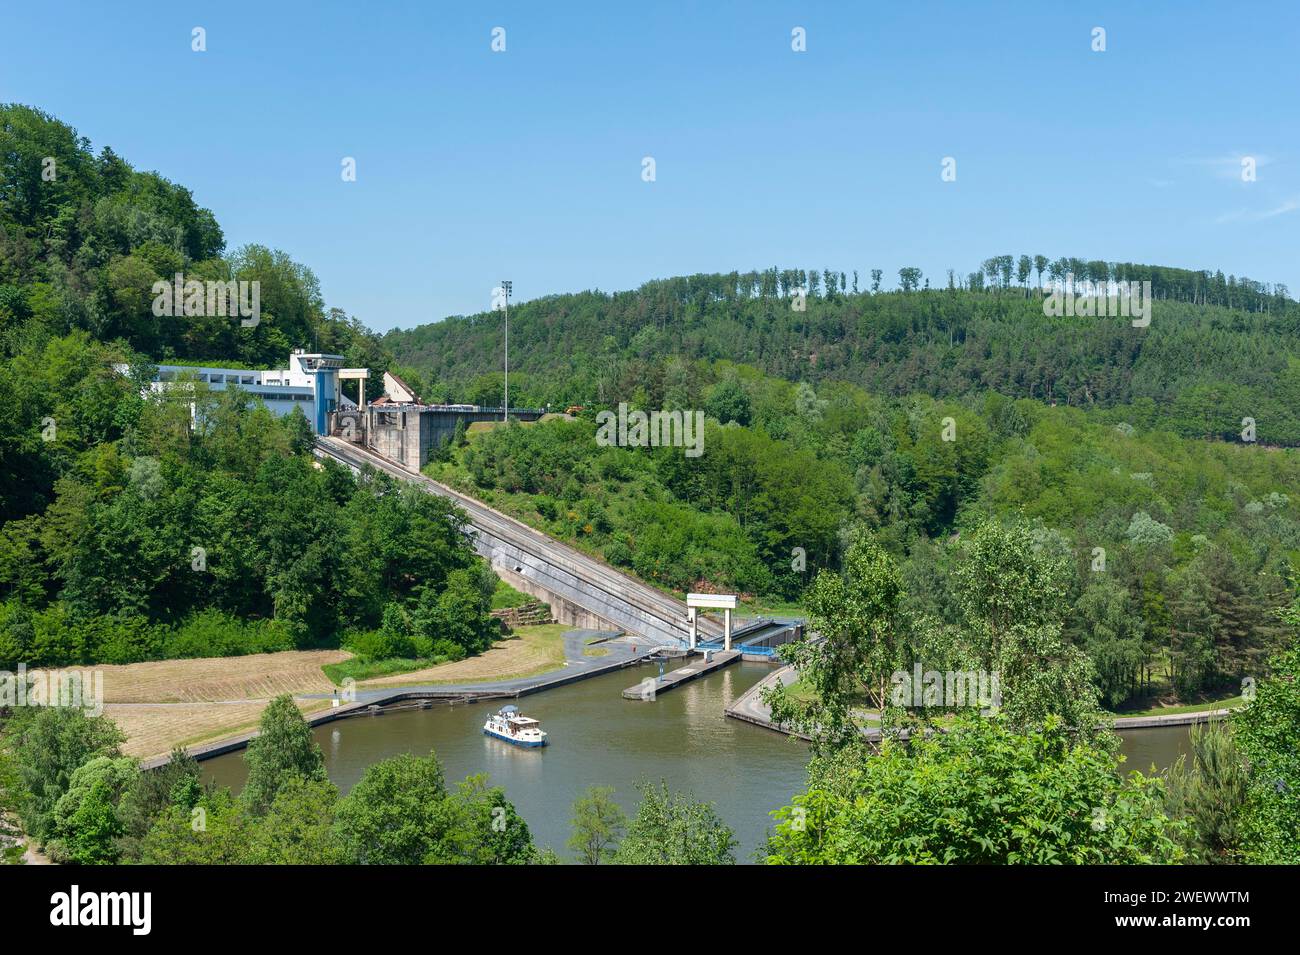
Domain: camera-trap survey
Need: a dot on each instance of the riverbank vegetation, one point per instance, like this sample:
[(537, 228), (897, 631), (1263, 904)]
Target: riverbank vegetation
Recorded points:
[(1178, 549), (1029, 773), (1105, 514)]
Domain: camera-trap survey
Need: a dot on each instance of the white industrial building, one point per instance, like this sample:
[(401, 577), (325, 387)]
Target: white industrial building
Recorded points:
[(312, 382)]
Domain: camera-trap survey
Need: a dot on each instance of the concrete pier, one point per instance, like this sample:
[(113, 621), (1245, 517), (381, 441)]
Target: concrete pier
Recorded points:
[(651, 686)]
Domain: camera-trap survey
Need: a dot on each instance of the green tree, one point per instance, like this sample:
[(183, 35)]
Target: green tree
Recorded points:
[(1267, 731), (598, 822), (728, 401), (1210, 791), (50, 744), (982, 793), (84, 826), (673, 829), (149, 794), (399, 813), (1012, 593), (490, 830), (298, 827), (282, 750), (862, 646), (12, 845), (212, 831)]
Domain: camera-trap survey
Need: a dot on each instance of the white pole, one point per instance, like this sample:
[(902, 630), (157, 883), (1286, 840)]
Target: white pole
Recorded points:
[(726, 628), (690, 612), (506, 289)]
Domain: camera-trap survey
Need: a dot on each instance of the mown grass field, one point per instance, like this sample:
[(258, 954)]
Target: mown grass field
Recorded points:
[(529, 651), (152, 729), (258, 676), (167, 703)]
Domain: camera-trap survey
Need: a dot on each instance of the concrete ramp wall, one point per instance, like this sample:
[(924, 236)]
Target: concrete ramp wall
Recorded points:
[(581, 591)]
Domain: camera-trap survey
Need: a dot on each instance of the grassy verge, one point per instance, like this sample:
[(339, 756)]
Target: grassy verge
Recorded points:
[(770, 608), (529, 651), (1223, 704), (506, 596), (359, 669)]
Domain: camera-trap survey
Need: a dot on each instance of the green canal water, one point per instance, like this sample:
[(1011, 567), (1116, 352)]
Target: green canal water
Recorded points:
[(599, 739)]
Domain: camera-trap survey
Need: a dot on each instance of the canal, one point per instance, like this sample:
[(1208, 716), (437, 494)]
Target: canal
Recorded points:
[(599, 739)]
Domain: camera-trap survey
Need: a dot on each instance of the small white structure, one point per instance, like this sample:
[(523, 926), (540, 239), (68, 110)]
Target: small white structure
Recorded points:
[(724, 602), (311, 382), (399, 391)]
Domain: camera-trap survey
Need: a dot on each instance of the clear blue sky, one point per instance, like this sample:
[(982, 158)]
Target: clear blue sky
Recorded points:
[(474, 166)]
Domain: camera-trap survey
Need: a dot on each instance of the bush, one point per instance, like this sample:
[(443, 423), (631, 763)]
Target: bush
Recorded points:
[(380, 645), (448, 652), (121, 639), (211, 633)]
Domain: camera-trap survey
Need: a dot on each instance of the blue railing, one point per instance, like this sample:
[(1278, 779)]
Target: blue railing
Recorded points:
[(761, 651)]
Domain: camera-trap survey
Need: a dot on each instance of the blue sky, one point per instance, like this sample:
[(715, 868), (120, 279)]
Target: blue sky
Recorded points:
[(474, 166)]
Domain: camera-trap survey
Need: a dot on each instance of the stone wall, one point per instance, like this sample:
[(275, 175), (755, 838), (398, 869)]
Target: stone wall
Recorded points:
[(529, 614)]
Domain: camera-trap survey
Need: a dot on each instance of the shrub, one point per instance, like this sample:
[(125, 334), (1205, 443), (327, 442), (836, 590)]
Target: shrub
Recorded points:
[(379, 644)]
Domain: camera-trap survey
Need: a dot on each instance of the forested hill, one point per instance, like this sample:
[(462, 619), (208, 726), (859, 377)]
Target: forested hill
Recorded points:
[(1217, 349), (84, 236)]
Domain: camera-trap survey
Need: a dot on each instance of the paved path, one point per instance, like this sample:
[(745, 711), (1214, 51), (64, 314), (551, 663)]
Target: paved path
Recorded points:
[(749, 706)]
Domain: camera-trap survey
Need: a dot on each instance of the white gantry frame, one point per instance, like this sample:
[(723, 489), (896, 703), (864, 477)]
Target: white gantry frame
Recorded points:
[(724, 602)]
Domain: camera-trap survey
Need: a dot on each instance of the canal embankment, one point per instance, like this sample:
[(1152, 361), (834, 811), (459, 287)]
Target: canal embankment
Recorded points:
[(621, 652), (752, 708)]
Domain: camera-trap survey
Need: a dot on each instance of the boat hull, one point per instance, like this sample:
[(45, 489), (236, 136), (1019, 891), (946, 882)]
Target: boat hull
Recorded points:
[(526, 744)]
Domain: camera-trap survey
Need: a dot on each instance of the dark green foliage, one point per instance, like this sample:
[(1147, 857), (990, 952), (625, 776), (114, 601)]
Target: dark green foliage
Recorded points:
[(151, 793), (282, 750), (214, 830), (397, 814), (85, 826), (673, 829), (979, 794), (401, 813), (1210, 792), (1267, 732), (297, 828), (1217, 348), (225, 539), (83, 249), (598, 823), (50, 743)]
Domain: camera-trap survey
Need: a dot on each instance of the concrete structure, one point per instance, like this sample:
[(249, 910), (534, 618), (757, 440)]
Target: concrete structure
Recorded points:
[(761, 639), (397, 390), (311, 383), (649, 689), (409, 433), (724, 602), (580, 590)]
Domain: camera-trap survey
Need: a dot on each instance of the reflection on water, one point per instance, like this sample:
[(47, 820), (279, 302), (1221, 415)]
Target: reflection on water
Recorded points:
[(596, 739), (1158, 746), (599, 739)]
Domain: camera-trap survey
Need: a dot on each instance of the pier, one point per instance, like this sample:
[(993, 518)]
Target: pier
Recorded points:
[(651, 687)]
